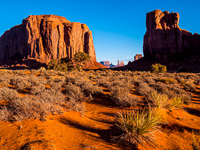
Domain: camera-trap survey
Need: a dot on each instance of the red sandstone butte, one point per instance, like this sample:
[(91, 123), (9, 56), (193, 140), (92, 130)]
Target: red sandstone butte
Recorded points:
[(164, 38), (46, 37)]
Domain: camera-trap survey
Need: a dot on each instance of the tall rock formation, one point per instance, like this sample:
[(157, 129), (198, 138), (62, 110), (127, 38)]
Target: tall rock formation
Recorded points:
[(164, 38), (46, 37)]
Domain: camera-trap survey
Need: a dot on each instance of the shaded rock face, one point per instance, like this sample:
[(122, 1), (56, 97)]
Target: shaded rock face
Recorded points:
[(164, 38), (46, 37)]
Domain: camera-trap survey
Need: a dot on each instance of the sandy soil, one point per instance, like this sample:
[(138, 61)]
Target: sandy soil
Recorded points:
[(94, 129)]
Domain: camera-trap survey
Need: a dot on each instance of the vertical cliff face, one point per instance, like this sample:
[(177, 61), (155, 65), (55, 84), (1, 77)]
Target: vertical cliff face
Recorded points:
[(46, 37), (164, 38)]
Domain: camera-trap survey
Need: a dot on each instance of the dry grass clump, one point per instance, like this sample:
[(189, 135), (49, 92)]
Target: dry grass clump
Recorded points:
[(195, 140), (176, 102), (157, 99), (137, 126)]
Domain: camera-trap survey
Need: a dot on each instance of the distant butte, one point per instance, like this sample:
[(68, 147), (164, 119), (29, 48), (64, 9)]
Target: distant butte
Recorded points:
[(46, 37), (164, 42), (164, 38)]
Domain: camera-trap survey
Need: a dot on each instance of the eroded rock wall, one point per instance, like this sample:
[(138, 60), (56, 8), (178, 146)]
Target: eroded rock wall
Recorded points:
[(164, 38), (46, 37)]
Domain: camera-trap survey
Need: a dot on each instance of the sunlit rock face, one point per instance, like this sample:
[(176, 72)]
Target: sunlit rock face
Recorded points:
[(164, 38), (46, 37)]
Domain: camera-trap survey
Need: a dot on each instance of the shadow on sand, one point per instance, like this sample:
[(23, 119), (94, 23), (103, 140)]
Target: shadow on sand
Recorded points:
[(105, 134)]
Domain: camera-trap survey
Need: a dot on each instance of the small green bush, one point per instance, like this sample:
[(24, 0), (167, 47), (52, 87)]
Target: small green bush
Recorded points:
[(57, 65), (158, 68), (80, 59)]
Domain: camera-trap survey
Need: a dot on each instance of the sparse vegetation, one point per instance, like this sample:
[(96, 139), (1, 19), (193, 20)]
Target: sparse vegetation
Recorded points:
[(65, 64), (30, 94), (158, 68)]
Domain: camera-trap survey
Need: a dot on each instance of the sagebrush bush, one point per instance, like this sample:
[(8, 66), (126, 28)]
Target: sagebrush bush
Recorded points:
[(28, 107), (8, 94), (143, 89), (189, 86), (125, 100), (73, 92), (166, 80), (20, 82)]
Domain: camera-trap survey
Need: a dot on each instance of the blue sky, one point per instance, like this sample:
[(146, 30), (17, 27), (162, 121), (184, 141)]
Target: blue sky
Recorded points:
[(118, 25)]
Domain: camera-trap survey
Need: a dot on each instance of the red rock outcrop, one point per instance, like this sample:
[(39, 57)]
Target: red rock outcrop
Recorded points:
[(46, 37), (164, 38)]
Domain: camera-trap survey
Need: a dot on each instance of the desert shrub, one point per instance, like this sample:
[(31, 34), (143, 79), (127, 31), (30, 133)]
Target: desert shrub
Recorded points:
[(57, 65), (20, 82), (166, 80), (189, 86), (25, 82), (125, 100), (149, 80), (34, 81), (55, 86), (137, 126), (48, 96), (122, 83), (117, 91), (20, 73), (80, 59), (89, 89), (33, 107), (75, 106), (180, 80), (4, 113), (186, 97), (158, 68), (170, 90), (73, 92), (103, 82), (75, 97), (4, 79), (157, 99), (8, 94), (35, 90), (143, 89), (85, 85)]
